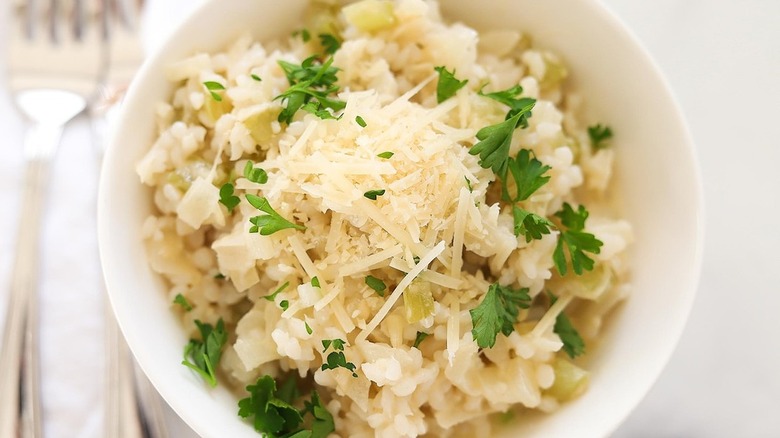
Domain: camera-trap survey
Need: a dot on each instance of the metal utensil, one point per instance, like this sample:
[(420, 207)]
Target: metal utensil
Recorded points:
[(55, 62), (133, 407)]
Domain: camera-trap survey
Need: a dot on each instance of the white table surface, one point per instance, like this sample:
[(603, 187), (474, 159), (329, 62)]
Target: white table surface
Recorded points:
[(722, 59)]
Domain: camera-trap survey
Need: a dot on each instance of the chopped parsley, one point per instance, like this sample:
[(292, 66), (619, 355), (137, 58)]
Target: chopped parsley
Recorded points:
[(448, 84), (497, 312), (202, 356), (386, 155), (419, 338), (373, 194), (227, 198), (376, 284), (271, 222), (273, 416), (493, 145), (330, 43), (509, 97), (599, 135), (308, 328), (304, 34), (336, 358), (468, 184), (255, 174), (573, 344), (219, 276), (359, 120), (272, 296), (284, 304), (315, 281), (312, 83), (213, 88), (322, 425), (256, 77), (576, 240), (182, 301), (528, 175)]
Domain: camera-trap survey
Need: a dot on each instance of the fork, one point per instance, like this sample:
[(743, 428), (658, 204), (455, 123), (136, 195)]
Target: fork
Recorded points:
[(133, 407), (55, 62)]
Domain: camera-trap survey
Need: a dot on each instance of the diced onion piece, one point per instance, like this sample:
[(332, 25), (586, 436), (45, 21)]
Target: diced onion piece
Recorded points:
[(199, 204), (555, 71), (591, 284), (418, 301), (214, 110), (370, 15), (570, 380)]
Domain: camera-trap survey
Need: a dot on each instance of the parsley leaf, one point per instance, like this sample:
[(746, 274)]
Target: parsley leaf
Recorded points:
[(203, 355), (448, 85), (308, 328), (309, 82), (212, 88), (359, 120), (338, 344), (508, 97), (271, 222), (304, 34), (182, 301), (330, 43), (599, 135), (372, 194), (323, 425), (497, 312), (386, 155), (573, 344), (376, 284), (284, 304), (227, 198), (272, 297), (528, 175), (272, 415), (493, 145), (419, 338), (576, 240), (337, 359), (315, 281), (256, 77), (255, 174), (530, 225)]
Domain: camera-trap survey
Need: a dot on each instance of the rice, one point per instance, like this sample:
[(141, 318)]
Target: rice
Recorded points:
[(440, 228)]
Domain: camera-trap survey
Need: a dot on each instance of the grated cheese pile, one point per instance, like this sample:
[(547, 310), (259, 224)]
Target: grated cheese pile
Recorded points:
[(439, 230)]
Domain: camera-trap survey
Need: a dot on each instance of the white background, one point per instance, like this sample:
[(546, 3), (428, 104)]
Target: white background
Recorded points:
[(722, 59)]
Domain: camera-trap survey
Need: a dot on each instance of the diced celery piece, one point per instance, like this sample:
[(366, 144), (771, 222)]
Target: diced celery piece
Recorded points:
[(591, 284), (370, 15), (259, 126), (183, 177), (555, 71), (570, 380), (418, 301)]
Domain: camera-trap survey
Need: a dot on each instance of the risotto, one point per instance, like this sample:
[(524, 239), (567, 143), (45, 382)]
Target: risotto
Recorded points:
[(385, 224)]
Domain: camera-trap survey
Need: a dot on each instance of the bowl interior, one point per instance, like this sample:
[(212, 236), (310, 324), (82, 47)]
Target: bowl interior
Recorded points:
[(660, 193)]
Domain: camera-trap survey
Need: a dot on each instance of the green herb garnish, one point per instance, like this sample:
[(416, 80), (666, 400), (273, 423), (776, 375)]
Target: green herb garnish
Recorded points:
[(308, 328), (599, 135), (376, 284), (182, 301), (359, 120), (315, 282), (271, 222), (272, 296), (337, 359), (509, 97), (419, 338), (212, 88), (448, 85), (386, 155), (338, 344), (255, 174), (203, 355), (227, 198), (309, 82), (372, 194), (576, 240), (256, 77), (497, 312), (573, 344), (330, 43)]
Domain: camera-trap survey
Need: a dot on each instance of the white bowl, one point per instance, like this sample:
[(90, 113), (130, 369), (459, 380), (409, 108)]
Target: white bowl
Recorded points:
[(656, 171)]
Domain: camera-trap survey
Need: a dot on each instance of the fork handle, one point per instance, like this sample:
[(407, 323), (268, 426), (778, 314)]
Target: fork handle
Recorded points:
[(19, 373)]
